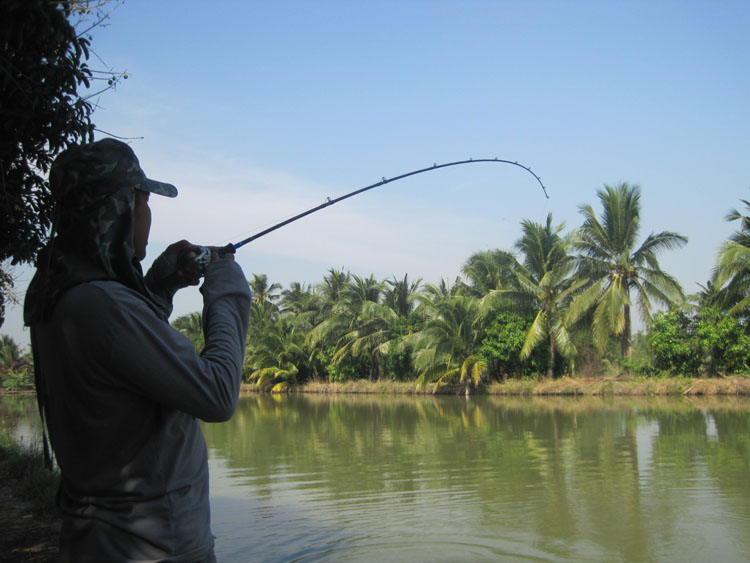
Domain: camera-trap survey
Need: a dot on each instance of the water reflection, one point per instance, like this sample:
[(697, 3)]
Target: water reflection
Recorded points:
[(370, 478), (19, 419), (441, 478)]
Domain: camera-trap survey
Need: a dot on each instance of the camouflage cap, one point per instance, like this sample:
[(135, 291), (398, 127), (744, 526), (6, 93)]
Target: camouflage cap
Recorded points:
[(101, 168)]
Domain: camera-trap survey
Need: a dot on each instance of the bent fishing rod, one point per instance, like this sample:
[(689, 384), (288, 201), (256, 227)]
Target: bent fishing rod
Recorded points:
[(205, 254)]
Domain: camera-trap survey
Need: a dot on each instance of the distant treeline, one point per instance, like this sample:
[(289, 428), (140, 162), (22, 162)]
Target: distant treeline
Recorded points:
[(557, 303)]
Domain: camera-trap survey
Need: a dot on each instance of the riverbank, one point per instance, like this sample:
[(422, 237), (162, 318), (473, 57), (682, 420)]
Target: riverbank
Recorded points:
[(29, 521), (564, 386)]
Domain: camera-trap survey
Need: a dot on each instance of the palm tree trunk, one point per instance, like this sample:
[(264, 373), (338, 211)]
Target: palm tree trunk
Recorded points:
[(626, 341), (551, 369)]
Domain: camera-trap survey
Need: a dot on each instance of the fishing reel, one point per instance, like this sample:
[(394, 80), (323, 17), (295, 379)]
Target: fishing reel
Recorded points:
[(202, 258), (195, 263)]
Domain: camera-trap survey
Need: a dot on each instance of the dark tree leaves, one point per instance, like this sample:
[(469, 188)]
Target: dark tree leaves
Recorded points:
[(42, 65)]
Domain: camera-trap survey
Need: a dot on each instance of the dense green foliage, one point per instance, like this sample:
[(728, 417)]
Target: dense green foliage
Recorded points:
[(672, 343), (43, 74), (705, 344), (42, 65), (502, 345)]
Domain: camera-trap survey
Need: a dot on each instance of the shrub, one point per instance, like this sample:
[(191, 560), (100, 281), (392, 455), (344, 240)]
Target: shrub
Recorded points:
[(672, 344), (502, 344)]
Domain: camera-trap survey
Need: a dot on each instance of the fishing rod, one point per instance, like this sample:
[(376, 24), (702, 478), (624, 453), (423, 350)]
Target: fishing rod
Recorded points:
[(205, 254)]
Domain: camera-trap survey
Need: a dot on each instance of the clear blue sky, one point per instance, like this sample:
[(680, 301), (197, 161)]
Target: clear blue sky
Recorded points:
[(257, 110)]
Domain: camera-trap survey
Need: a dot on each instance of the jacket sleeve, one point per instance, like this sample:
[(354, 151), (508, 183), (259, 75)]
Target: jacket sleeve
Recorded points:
[(158, 280), (148, 357)]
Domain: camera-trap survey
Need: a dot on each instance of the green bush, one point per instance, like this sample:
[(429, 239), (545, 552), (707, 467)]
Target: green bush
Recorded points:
[(672, 343), (502, 344), (396, 364), (724, 342), (347, 368)]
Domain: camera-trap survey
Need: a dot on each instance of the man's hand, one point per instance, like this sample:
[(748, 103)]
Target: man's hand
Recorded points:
[(177, 267), (220, 253), (181, 257)]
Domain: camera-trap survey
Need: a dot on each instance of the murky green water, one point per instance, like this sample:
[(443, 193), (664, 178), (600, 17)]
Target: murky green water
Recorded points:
[(364, 478)]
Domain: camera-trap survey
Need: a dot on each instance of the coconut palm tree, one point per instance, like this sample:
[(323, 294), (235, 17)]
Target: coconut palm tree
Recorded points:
[(298, 299), (261, 289), (444, 348), (432, 294), (363, 290), (381, 325), (617, 267), (341, 300), (732, 273), (400, 296), (490, 270), (333, 286), (743, 235), (341, 325), (276, 356), (545, 280)]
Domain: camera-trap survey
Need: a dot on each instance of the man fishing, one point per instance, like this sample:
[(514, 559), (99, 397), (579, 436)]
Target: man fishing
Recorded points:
[(120, 390)]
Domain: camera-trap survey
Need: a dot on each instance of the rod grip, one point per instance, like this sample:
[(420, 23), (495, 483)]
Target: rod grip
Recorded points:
[(228, 249)]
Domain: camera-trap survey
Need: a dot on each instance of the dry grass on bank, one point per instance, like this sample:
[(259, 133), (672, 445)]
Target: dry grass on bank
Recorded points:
[(623, 386), (565, 386), (354, 387)]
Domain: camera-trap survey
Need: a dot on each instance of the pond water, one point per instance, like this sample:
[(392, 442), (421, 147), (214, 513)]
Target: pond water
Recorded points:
[(395, 478)]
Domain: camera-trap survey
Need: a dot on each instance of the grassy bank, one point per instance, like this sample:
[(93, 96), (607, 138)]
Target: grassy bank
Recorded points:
[(29, 519), (22, 469), (565, 386), (637, 386)]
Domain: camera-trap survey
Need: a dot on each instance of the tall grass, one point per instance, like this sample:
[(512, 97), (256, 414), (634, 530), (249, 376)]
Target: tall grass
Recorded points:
[(22, 467)]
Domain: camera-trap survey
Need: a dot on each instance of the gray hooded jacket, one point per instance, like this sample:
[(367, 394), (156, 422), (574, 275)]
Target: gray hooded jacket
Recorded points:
[(122, 392)]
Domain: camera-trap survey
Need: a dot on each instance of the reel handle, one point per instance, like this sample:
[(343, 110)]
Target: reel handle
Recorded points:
[(204, 255)]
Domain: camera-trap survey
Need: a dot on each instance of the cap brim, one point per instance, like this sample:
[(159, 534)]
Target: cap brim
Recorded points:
[(160, 188)]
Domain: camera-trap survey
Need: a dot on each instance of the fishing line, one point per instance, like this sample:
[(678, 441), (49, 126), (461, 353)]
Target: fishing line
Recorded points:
[(232, 247)]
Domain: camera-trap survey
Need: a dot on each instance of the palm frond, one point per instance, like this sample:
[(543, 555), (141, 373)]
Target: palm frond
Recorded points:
[(537, 333)]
